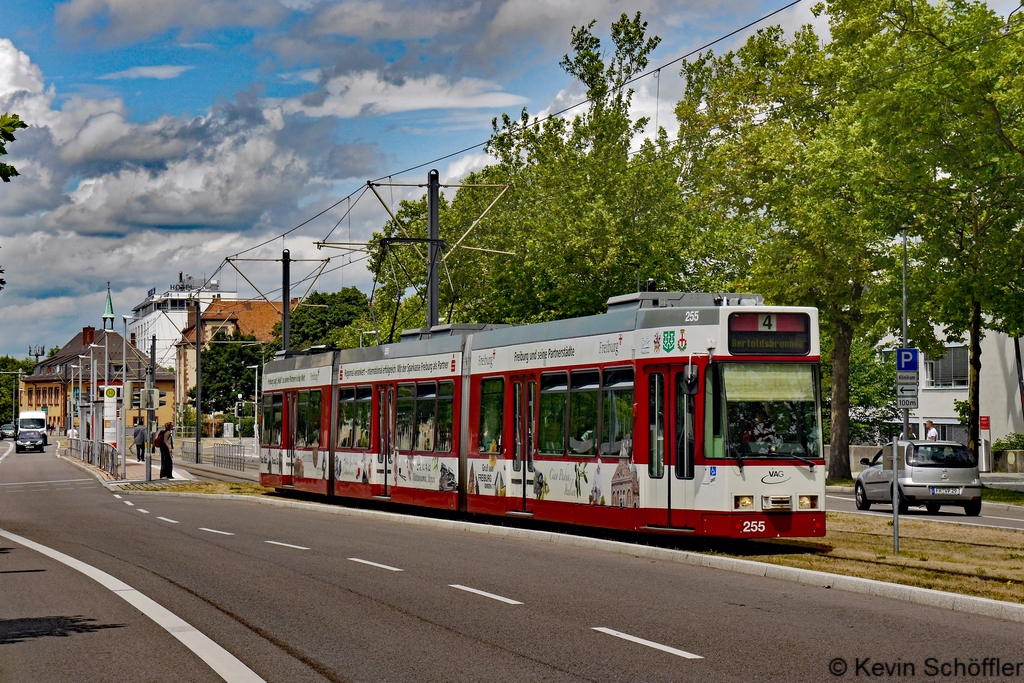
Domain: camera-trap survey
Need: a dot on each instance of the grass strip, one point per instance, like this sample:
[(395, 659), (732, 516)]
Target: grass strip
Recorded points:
[(242, 488), (987, 563)]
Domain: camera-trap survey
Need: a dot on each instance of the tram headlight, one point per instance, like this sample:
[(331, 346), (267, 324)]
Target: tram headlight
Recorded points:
[(742, 502), (808, 502)]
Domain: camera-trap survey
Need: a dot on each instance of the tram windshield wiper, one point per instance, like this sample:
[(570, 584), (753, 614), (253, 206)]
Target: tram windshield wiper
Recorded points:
[(794, 456)]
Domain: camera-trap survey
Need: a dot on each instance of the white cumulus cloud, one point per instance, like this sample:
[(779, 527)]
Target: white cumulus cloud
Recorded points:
[(162, 72)]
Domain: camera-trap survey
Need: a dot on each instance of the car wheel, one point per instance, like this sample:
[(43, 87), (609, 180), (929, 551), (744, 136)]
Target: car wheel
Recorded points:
[(861, 497), (904, 505), (973, 509), (17, 449), (933, 508)]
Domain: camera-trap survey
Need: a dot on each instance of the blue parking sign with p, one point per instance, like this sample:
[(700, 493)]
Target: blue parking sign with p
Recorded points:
[(906, 360)]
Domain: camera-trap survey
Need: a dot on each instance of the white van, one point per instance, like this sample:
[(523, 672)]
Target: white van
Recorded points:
[(31, 430)]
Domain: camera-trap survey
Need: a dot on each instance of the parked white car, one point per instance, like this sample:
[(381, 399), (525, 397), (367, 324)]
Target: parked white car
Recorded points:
[(932, 474)]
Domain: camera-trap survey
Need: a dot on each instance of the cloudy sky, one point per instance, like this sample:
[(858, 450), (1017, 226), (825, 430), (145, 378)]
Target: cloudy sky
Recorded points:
[(168, 134)]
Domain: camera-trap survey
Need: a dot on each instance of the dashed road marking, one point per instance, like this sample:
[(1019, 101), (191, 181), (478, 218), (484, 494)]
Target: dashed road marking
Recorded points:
[(648, 643), (376, 564), (117, 496), (217, 658), (128, 502), (492, 596), (145, 512), (214, 531), (287, 545), (172, 521)]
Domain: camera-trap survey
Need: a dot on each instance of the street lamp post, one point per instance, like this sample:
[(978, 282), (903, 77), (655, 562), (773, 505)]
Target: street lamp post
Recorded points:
[(125, 398), (81, 417), (255, 407)]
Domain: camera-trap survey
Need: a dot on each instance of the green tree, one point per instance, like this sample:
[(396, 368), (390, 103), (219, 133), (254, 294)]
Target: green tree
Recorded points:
[(8, 124), (945, 110), (586, 216), (8, 384), (322, 316), (782, 165), (225, 375)]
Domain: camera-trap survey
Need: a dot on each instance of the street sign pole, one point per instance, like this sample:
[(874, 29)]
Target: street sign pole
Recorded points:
[(906, 411)]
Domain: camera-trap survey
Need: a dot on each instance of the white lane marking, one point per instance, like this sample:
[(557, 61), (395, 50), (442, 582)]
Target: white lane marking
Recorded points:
[(51, 481), (172, 521), (145, 512), (69, 488), (117, 496), (838, 497), (375, 564), (10, 447), (287, 545), (648, 643), (1008, 519), (492, 596), (217, 658), (214, 531), (128, 502)]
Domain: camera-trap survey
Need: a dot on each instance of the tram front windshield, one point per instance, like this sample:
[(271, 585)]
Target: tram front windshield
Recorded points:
[(771, 409)]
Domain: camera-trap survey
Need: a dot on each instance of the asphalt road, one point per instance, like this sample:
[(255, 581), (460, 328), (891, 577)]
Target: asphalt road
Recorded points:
[(1005, 516), (299, 595)]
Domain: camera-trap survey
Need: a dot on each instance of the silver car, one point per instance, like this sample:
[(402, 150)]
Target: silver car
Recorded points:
[(932, 473)]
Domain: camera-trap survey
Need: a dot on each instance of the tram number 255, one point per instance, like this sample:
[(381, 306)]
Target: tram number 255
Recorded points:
[(753, 526)]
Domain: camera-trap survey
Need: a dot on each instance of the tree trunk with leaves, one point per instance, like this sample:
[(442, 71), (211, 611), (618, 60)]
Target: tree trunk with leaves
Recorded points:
[(839, 449)]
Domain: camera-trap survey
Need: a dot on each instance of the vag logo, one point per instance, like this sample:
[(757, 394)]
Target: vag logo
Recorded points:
[(774, 477)]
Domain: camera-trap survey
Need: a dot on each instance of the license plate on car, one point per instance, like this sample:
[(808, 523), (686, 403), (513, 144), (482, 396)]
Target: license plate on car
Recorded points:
[(945, 491)]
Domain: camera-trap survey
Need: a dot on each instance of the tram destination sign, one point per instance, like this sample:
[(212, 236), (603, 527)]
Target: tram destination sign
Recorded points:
[(772, 334)]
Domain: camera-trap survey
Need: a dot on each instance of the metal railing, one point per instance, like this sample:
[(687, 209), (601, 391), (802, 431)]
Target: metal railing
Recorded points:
[(101, 455), (229, 456)]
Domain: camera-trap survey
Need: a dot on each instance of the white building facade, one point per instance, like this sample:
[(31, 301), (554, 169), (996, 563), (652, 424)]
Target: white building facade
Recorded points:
[(166, 315), (944, 380)]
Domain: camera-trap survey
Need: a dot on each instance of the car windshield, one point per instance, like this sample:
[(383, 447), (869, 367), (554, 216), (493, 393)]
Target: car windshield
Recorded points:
[(941, 456), (771, 409), (31, 423)]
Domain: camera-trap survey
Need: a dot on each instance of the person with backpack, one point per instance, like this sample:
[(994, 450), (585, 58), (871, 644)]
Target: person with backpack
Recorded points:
[(165, 442)]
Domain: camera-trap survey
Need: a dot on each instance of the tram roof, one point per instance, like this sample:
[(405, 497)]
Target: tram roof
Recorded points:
[(634, 311)]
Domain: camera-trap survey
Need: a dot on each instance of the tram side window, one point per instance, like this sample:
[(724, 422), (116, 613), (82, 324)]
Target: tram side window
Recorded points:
[(426, 414), (685, 443), (313, 440), (656, 425), (302, 420), (584, 397), (492, 412), (276, 415), (267, 419), (445, 407), (553, 403), (617, 413), (405, 416), (714, 440), (361, 417), (346, 414)]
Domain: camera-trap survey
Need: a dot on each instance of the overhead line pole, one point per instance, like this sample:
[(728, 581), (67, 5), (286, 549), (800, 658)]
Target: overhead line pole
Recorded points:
[(433, 234)]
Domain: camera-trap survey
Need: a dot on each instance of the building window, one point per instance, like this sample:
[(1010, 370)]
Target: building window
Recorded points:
[(947, 371)]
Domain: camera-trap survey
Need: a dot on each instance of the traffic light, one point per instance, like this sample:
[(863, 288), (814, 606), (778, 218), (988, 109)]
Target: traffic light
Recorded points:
[(160, 395), (149, 398), (136, 399)]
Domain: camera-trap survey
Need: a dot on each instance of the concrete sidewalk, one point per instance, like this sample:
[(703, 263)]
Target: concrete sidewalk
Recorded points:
[(134, 471)]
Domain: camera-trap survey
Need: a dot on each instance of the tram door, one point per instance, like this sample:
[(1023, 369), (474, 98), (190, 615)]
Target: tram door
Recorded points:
[(524, 439), (671, 441), (385, 434), (291, 410)]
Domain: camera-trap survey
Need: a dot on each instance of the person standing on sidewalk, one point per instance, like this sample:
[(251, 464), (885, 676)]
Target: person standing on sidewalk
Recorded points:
[(165, 442), (140, 436)]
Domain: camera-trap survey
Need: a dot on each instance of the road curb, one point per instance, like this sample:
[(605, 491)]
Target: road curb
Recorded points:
[(991, 506), (922, 596)]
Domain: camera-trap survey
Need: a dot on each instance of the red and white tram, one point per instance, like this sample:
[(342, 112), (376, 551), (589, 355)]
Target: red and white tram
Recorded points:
[(672, 412)]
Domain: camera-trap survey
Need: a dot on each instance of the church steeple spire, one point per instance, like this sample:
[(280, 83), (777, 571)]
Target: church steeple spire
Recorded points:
[(108, 311)]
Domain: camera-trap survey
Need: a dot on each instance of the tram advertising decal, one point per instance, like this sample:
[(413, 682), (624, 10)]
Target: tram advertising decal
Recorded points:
[(440, 365), (308, 377), (774, 334)]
